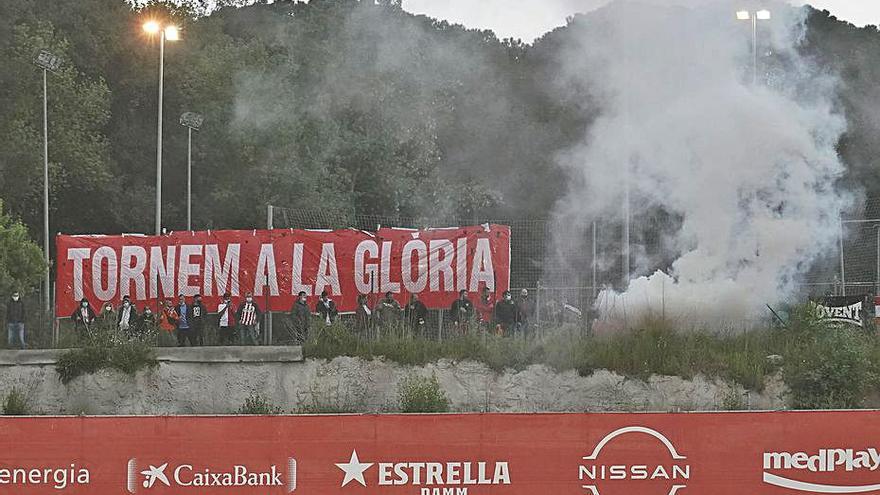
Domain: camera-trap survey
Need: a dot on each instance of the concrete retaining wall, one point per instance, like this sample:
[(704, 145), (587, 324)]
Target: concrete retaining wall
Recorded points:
[(217, 380)]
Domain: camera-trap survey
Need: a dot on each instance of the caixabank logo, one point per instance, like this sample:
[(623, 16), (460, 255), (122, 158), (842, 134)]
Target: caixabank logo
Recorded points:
[(427, 477), (825, 470), (145, 477), (634, 459)]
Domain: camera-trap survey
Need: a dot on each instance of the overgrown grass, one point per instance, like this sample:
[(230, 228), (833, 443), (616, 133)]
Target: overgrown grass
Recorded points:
[(16, 403), (103, 347), (824, 366), (333, 400), (257, 404)]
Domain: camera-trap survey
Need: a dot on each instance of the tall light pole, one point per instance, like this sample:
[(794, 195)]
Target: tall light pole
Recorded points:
[(170, 33), (760, 15), (46, 61), (192, 121)]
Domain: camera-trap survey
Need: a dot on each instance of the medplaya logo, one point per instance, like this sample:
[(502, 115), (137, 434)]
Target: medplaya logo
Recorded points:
[(58, 478), (185, 475), (828, 464), (661, 466), (427, 477)]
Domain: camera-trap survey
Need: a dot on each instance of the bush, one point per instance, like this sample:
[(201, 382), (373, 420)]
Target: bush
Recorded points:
[(104, 348), (16, 403), (832, 368), (421, 395), (257, 404)]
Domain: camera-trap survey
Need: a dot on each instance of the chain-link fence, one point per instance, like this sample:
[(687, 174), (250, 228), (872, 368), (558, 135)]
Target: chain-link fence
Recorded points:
[(563, 269)]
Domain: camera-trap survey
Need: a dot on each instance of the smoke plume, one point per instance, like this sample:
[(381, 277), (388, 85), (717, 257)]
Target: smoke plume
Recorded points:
[(748, 170)]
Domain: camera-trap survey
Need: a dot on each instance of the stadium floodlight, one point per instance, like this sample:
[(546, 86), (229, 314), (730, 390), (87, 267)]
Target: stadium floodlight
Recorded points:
[(48, 62), (171, 33), (763, 15), (743, 15), (193, 122), (152, 27)]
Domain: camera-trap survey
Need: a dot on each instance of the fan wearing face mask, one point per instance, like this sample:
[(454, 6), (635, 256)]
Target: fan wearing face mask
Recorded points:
[(83, 316), (15, 321), (127, 316), (248, 317)]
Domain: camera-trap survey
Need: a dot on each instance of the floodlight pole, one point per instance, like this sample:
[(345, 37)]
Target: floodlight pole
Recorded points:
[(46, 281), (46, 61), (159, 135), (189, 140), (755, 49)]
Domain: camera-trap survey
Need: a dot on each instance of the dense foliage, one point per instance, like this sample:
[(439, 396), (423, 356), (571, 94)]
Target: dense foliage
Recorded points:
[(103, 347), (21, 261), (421, 394), (333, 104)]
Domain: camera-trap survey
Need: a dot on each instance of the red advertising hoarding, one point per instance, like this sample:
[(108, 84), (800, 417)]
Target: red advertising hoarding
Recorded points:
[(477, 454), (275, 265)]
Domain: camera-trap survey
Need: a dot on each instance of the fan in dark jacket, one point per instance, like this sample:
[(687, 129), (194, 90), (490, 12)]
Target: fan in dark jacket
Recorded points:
[(83, 316), (326, 309), (388, 310), (506, 312), (300, 314), (127, 316), (461, 311), (15, 320), (197, 319), (363, 315), (415, 313)]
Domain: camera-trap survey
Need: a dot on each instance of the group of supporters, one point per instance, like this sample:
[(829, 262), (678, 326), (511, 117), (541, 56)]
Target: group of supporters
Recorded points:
[(184, 320), (240, 325), (501, 317)]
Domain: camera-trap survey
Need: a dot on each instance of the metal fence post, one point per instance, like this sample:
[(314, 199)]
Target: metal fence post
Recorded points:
[(56, 328), (595, 263), (877, 272), (440, 327), (269, 224), (538, 304), (842, 269)]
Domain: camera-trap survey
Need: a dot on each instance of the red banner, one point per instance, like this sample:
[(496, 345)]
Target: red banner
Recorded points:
[(517, 454), (275, 265)]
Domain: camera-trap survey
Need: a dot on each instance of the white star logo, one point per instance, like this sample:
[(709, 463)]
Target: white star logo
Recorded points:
[(155, 474), (354, 469)]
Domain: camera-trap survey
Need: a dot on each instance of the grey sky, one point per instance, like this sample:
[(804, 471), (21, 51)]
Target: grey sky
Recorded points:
[(529, 19)]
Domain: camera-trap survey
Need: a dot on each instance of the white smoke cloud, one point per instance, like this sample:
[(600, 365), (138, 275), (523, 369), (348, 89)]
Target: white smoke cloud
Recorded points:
[(749, 169)]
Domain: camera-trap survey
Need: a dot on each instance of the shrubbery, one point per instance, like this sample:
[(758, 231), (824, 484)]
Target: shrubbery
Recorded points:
[(257, 404), (16, 403), (104, 347), (831, 368), (418, 394)]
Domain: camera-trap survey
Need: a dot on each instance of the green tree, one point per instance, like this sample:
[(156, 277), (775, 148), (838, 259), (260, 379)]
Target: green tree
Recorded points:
[(78, 109), (21, 260)]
